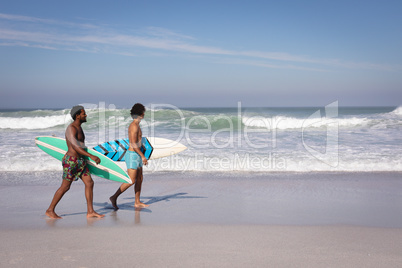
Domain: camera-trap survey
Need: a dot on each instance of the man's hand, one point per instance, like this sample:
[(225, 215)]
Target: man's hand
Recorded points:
[(95, 158), (144, 161)]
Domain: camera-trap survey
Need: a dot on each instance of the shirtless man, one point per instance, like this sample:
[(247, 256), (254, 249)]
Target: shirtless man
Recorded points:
[(134, 158), (74, 165)]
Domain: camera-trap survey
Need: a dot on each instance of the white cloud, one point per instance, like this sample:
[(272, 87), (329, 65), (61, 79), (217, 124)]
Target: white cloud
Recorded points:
[(54, 34), (20, 18), (166, 33)]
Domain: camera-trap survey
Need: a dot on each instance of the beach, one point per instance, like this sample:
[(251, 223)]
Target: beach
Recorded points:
[(263, 134), (257, 187), (204, 219)]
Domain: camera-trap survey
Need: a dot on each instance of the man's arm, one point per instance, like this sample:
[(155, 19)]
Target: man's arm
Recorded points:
[(135, 143), (77, 146)]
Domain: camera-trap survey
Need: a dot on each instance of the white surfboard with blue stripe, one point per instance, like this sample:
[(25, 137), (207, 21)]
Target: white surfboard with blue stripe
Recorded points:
[(152, 148)]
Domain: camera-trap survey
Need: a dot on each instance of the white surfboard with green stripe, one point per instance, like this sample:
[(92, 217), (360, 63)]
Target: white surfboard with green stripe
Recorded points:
[(108, 169)]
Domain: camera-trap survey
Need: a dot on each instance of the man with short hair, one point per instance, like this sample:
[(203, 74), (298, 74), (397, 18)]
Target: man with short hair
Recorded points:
[(134, 158), (74, 165)]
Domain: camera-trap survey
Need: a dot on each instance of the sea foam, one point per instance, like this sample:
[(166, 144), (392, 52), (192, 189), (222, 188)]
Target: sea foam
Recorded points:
[(283, 122), (38, 122), (398, 111)]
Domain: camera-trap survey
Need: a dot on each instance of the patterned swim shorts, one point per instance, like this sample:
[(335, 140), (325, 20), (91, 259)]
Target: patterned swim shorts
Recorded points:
[(74, 168)]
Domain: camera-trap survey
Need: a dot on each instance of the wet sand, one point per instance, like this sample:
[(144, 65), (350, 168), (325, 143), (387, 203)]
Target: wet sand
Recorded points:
[(214, 220)]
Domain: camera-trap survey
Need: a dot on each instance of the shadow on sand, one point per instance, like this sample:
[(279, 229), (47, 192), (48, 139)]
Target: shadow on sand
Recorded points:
[(105, 207)]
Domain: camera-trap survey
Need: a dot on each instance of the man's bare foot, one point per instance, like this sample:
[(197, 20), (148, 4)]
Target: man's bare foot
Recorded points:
[(95, 215), (52, 214), (114, 203), (140, 205)]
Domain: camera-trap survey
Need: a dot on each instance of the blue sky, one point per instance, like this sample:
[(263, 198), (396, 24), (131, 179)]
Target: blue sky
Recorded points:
[(55, 54)]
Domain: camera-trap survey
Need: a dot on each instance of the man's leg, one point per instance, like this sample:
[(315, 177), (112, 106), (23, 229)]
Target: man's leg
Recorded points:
[(89, 194), (123, 187), (137, 188), (65, 186)]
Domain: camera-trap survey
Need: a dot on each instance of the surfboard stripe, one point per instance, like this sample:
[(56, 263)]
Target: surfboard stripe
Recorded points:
[(109, 150), (111, 145), (148, 148), (51, 147), (121, 145), (122, 155), (111, 171), (104, 149), (113, 156)]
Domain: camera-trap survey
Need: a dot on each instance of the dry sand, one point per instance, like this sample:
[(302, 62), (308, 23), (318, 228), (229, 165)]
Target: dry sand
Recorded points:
[(203, 246)]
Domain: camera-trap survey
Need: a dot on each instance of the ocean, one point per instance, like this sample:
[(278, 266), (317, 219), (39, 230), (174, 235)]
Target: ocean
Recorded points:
[(229, 140)]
